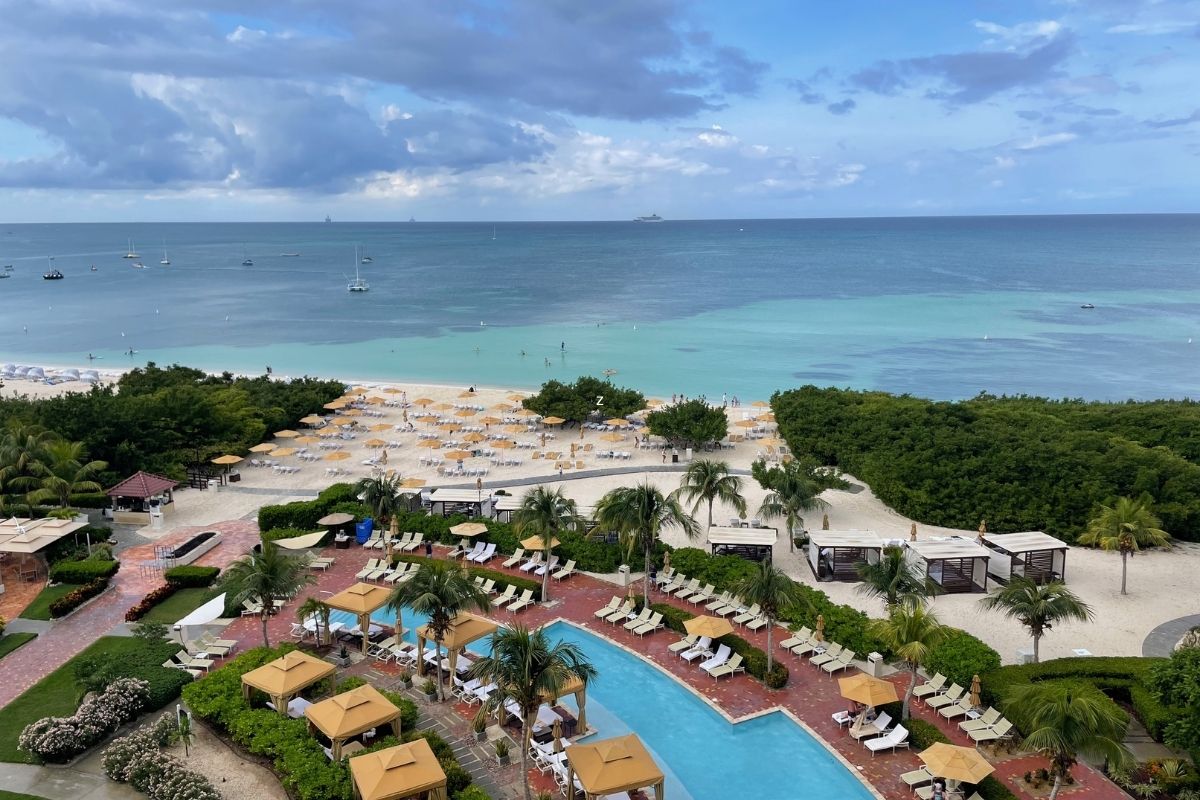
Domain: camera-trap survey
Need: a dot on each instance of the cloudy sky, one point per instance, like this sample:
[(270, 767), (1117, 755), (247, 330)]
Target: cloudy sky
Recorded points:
[(574, 109)]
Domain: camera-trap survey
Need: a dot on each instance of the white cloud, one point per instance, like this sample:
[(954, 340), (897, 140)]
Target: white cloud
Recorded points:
[(1020, 33), (1163, 28), (243, 34), (1048, 140), (392, 112), (1005, 162)]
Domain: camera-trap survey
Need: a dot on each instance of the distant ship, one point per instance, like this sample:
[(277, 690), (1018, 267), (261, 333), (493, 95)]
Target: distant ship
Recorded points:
[(52, 274), (327, 219), (1087, 305), (131, 252), (247, 261), (366, 259), (289, 255), (651, 218), (358, 284)]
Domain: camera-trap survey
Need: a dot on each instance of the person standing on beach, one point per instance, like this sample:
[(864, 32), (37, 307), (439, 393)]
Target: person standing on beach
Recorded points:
[(562, 346)]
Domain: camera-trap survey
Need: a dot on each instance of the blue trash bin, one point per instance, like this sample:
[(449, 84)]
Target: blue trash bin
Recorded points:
[(362, 531)]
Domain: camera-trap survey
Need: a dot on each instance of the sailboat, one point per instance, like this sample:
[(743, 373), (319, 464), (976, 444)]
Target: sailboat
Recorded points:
[(166, 262), (366, 259), (493, 233), (358, 284), (51, 273), (131, 253)]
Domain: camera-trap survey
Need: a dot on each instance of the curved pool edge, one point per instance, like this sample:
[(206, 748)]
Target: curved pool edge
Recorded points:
[(732, 720)]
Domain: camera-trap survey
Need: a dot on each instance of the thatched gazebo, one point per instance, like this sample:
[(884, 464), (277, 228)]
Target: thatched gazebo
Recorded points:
[(464, 629)]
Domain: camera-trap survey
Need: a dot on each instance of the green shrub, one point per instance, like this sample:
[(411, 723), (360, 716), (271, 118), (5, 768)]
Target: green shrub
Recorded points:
[(192, 576), (472, 792), (90, 500), (83, 571), (753, 659), (961, 656), (74, 599), (302, 515), (1174, 684), (152, 598), (144, 663)]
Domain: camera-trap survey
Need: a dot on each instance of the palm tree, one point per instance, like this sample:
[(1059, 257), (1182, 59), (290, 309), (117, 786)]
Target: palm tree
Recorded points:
[(440, 590), (61, 472), (381, 495), (638, 514), (264, 576), (1037, 607), (912, 632), (1125, 527), (708, 481), (21, 449), (774, 592), (319, 611), (792, 491), (1063, 722), (894, 580), (527, 670), (545, 513)]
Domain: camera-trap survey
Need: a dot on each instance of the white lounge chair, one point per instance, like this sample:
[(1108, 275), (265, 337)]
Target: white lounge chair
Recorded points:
[(722, 655), (612, 606), (565, 572), (525, 600), (877, 727), (700, 648), (896, 737), (507, 596), (486, 555), (734, 664), (516, 558)]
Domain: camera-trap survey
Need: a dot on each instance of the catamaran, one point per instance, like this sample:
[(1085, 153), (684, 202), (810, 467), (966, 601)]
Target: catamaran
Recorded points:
[(166, 262), (131, 253), (358, 284)]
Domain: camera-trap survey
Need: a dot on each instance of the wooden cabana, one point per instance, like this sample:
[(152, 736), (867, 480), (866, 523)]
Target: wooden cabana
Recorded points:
[(835, 555), (611, 767), (755, 544), (285, 677), (352, 713), (957, 565), (141, 494), (361, 600), (1031, 554), (469, 502), (406, 770), (464, 629)]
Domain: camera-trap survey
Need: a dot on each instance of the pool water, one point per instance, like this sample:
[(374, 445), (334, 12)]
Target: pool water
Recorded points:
[(702, 755)]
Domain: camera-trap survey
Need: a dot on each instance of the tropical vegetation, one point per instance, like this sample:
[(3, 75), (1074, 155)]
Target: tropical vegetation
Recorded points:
[(792, 491), (638, 514), (691, 423), (1176, 682), (546, 513), (912, 632), (262, 577), (39, 466), (1037, 606), (774, 593), (1125, 527), (575, 402), (705, 482), (894, 580)]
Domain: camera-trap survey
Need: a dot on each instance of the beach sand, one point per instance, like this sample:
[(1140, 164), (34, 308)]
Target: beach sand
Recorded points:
[(1161, 584)]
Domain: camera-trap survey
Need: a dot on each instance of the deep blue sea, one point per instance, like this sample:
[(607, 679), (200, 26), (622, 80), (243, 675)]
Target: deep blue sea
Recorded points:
[(940, 307)]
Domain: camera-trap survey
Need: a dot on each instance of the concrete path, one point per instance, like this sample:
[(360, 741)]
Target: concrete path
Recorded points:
[(22, 625), (63, 783), (1162, 640)]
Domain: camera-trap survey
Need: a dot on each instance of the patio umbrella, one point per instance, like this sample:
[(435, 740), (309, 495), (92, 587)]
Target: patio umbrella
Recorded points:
[(380, 426), (502, 407), (558, 745), (667, 561), (465, 412), (912, 533), (432, 444), (515, 428), (490, 420), (746, 423), (459, 455), (537, 543), (328, 430), (704, 625), (423, 401), (954, 763), (375, 401), (283, 452), (524, 412), (342, 420), (412, 483), (286, 434), (504, 444), (474, 437), (553, 421), (375, 443), (862, 688), (824, 522), (450, 427), (358, 390), (975, 701), (612, 437), (760, 404), (616, 421), (819, 635), (311, 419), (392, 390), (227, 461), (337, 455), (306, 439), (265, 447), (352, 412), (469, 529), (335, 405), (443, 407)]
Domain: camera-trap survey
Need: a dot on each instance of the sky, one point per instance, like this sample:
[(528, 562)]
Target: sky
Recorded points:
[(114, 110)]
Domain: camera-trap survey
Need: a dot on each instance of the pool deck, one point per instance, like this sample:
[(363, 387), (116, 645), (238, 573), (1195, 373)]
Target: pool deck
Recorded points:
[(811, 696)]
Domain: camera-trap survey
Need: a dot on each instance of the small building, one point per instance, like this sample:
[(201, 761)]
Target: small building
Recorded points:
[(835, 555), (468, 502), (1031, 554), (956, 564), (21, 543), (285, 677), (755, 543), (504, 505), (611, 767), (141, 497)]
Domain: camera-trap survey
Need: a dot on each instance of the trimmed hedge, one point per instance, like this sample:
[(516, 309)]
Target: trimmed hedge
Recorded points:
[(303, 514), (961, 656), (502, 579), (754, 659), (191, 576), (144, 663), (922, 734), (153, 597), (276, 534), (83, 571), (69, 602)]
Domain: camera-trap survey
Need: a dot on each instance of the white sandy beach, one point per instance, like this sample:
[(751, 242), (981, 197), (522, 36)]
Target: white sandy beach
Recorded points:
[(1162, 584)]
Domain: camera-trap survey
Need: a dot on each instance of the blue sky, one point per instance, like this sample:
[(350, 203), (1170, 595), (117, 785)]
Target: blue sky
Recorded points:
[(561, 109)]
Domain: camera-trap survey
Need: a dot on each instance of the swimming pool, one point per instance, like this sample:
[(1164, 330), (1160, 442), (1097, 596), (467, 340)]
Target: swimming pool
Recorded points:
[(702, 755)]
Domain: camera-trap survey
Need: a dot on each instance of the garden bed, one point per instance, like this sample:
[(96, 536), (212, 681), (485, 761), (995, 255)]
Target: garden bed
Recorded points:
[(195, 547)]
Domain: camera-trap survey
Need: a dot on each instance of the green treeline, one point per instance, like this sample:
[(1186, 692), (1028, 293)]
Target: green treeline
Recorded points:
[(162, 419), (1021, 463)]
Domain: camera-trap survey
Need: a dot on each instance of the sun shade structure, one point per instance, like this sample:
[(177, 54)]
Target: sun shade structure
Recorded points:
[(406, 770), (142, 492), (204, 614), (835, 555), (337, 455), (578, 687), (412, 483), (862, 688), (21, 535), (955, 763), (286, 677), (286, 434), (360, 600), (264, 447), (302, 542), (283, 452), (537, 543), (227, 460), (956, 564), (468, 529), (553, 421), (464, 629), (335, 405), (468, 502), (752, 543), (352, 713), (312, 419), (611, 766), (704, 625), (1032, 554)]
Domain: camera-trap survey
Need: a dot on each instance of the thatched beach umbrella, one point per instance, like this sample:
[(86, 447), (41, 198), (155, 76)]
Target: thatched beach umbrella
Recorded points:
[(283, 452), (412, 483), (553, 421), (337, 455), (286, 434), (613, 437), (760, 404), (264, 447), (375, 443), (504, 444), (465, 412), (975, 687), (491, 420), (423, 401), (912, 533), (311, 419), (432, 444), (746, 423), (227, 460), (474, 437), (459, 455), (450, 427), (380, 426)]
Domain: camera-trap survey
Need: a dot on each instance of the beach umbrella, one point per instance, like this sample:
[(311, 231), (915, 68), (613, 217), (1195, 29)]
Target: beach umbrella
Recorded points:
[(284, 452), (824, 522), (392, 390), (352, 412), (975, 701), (760, 404), (227, 461), (412, 483), (612, 437), (767, 417), (982, 527), (537, 543), (474, 437), (616, 421), (459, 455), (954, 763), (469, 529), (465, 412), (515, 428), (553, 421), (443, 407), (502, 407), (491, 420), (432, 444), (704, 625), (862, 688), (342, 420), (265, 447), (524, 412), (504, 444), (423, 401), (375, 401), (335, 405), (450, 427), (337, 455), (380, 426), (375, 443), (819, 634), (746, 423), (306, 439), (311, 419), (667, 561), (516, 398), (465, 393), (912, 533), (286, 434), (328, 430)]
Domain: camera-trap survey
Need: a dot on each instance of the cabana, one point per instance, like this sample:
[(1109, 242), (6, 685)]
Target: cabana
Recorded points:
[(22, 539), (835, 555), (360, 600), (1032, 554), (141, 495), (351, 714), (752, 543), (285, 677), (578, 687), (956, 564), (504, 505), (469, 502), (406, 770), (464, 629), (612, 766)]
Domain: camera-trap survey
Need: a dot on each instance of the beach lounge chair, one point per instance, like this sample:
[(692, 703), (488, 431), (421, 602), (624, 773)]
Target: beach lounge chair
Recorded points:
[(214, 645), (515, 558), (734, 606), (464, 547), (931, 687), (677, 580), (612, 606), (1000, 730), (489, 586), (649, 626), (916, 778), (703, 596), (950, 697), (525, 600), (320, 563), (403, 572), (686, 643), (758, 623), (372, 565), (721, 601), (414, 543), (642, 618), (958, 709), (251, 609), (486, 555), (191, 662), (621, 613), (896, 737), (722, 655), (806, 648), (533, 562), (507, 596), (664, 577), (474, 551), (700, 648), (749, 614), (733, 665), (986, 720), (565, 572), (843, 661), (800, 637), (877, 727), (831, 653), (688, 590), (171, 663), (550, 565), (381, 649)]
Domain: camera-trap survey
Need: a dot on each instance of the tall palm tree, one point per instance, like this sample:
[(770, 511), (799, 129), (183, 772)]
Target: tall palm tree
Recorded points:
[(1125, 527), (319, 611), (263, 577), (527, 670), (381, 495), (774, 592), (440, 590), (708, 481), (638, 514), (1037, 607), (62, 472), (545, 513), (791, 493), (22, 447), (894, 580), (912, 632), (1062, 723)]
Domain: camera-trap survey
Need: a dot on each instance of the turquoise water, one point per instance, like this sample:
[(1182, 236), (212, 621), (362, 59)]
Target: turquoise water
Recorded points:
[(942, 307), (702, 756)]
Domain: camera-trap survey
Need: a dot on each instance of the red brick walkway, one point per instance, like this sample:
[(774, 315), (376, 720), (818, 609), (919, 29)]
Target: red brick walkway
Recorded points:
[(69, 636), (810, 695)]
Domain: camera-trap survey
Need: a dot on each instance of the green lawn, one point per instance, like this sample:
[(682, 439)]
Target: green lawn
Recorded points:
[(12, 641), (14, 796), (179, 605), (40, 607)]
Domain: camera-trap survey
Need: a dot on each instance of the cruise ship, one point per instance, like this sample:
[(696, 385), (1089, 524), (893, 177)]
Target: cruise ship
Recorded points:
[(651, 218)]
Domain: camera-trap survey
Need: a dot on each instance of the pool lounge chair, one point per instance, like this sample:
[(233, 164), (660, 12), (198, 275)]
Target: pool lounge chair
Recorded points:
[(931, 687), (843, 661), (916, 778), (831, 653), (612, 606), (209, 641), (986, 720), (876, 727), (687, 590), (722, 601), (488, 551), (550, 566), (950, 697), (251, 609), (651, 625), (757, 623), (464, 547), (747, 615), (171, 663), (382, 649), (896, 737), (211, 648), (565, 572), (532, 563), (806, 648), (413, 544), (622, 612), (515, 558), (958, 709), (475, 550), (525, 600), (676, 582), (702, 596), (699, 649), (722, 655), (372, 565), (191, 662), (488, 586), (642, 618), (664, 577), (734, 606), (507, 596), (686, 643), (1001, 730), (801, 637), (733, 665)]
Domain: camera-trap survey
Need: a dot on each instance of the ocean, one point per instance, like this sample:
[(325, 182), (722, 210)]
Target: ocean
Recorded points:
[(938, 307)]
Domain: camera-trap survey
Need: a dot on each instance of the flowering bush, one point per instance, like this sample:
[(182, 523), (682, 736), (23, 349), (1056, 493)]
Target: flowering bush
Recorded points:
[(152, 598), (137, 759), (60, 739), (69, 602)]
